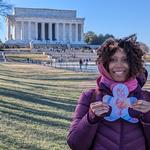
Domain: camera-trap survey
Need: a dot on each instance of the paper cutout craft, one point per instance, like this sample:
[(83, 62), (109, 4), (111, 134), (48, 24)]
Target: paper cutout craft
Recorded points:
[(120, 103)]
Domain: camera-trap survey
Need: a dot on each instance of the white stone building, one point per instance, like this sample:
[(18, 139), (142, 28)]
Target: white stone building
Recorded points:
[(44, 26)]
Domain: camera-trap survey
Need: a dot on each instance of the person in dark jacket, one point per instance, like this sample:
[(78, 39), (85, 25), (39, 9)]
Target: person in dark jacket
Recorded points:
[(116, 114)]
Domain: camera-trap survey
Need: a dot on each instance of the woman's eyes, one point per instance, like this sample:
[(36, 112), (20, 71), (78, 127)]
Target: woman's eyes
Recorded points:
[(117, 60), (113, 60), (124, 60)]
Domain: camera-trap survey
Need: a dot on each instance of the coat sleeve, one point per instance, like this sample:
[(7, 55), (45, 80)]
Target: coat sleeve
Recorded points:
[(84, 125), (145, 120)]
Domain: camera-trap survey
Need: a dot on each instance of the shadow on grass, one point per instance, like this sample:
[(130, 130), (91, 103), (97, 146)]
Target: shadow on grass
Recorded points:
[(16, 143), (35, 98), (13, 74), (14, 106), (52, 77), (36, 85), (21, 117), (26, 83), (45, 86), (70, 79), (34, 129)]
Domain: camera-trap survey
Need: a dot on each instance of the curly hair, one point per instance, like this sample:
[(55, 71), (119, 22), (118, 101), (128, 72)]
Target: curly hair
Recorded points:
[(131, 48)]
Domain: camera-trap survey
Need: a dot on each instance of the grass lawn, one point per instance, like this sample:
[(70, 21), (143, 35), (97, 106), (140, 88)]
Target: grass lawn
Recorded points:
[(36, 105)]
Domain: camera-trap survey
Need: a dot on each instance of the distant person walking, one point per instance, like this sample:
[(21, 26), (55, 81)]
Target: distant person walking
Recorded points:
[(80, 63), (86, 63)]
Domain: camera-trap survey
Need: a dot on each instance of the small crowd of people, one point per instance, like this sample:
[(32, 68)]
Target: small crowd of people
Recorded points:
[(82, 62)]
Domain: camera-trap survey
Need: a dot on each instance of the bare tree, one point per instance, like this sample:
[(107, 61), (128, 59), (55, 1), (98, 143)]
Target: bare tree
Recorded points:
[(5, 8)]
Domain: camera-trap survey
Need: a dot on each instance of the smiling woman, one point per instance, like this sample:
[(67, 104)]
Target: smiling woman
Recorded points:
[(118, 66), (116, 114)]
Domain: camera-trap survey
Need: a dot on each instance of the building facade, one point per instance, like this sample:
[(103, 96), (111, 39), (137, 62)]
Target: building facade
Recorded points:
[(45, 26)]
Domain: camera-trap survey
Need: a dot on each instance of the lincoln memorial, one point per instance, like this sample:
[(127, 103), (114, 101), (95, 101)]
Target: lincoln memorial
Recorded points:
[(44, 26)]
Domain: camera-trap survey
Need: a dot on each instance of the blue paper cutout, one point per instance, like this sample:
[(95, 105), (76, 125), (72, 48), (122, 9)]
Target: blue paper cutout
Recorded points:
[(120, 103)]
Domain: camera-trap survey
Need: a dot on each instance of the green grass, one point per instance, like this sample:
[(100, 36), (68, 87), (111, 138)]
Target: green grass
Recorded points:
[(34, 114)]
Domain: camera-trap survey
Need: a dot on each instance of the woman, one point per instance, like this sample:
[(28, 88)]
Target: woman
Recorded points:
[(119, 116)]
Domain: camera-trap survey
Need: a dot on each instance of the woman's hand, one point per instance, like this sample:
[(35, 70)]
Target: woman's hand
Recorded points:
[(142, 106), (99, 108)]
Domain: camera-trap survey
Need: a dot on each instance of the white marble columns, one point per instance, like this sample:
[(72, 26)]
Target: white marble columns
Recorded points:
[(8, 29), (71, 32)]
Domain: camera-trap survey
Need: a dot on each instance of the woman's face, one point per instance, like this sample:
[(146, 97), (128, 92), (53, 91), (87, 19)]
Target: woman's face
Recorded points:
[(118, 66)]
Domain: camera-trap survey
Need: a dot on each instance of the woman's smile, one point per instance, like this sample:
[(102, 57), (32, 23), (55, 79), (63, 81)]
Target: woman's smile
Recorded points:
[(118, 66)]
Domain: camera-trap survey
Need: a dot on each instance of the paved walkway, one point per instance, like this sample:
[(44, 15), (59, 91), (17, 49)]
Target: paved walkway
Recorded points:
[(90, 67)]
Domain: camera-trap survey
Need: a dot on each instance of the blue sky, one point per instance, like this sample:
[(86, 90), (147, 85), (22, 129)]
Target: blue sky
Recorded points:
[(118, 17)]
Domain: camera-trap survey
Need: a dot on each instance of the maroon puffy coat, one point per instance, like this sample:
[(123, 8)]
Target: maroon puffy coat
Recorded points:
[(90, 132)]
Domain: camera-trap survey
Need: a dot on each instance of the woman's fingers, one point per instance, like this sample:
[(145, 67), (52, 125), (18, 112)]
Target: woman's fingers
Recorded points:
[(99, 108), (98, 104), (99, 112), (142, 106)]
